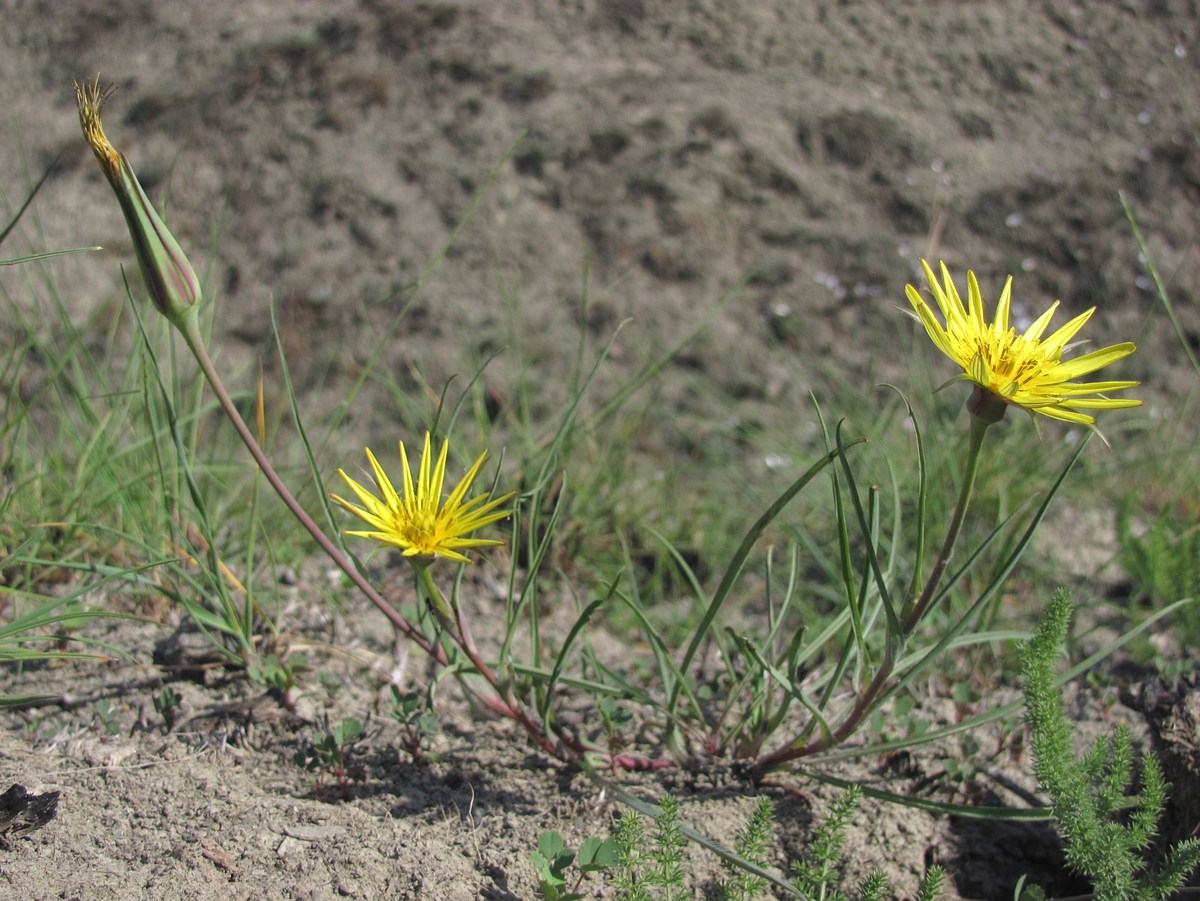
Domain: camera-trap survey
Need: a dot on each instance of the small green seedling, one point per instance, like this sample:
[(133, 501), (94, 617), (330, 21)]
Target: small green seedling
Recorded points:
[(331, 684), (107, 713), (332, 753), (553, 859), (417, 720), (167, 703), (818, 872), (740, 884), (279, 675), (615, 718)]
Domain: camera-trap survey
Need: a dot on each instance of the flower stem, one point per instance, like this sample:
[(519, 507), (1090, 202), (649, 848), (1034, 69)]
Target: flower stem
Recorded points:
[(920, 607), (191, 334)]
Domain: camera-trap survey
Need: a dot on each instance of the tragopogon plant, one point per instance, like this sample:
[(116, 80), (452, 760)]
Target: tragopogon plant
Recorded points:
[(176, 293), (776, 697), (1005, 369)]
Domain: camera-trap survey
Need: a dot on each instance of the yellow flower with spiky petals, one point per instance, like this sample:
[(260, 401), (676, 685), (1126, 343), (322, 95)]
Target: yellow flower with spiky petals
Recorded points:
[(419, 522), (1023, 370)]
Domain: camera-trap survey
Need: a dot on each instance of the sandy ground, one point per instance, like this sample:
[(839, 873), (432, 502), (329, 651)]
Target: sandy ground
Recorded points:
[(320, 155)]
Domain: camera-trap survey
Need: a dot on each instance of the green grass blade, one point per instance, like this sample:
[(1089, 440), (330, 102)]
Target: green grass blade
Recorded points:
[(1184, 342), (1036, 814), (895, 635), (29, 258), (794, 691), (734, 568), (576, 628), (37, 186), (314, 470)]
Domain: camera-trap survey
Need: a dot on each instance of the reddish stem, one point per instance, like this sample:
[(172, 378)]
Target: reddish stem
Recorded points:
[(191, 335)]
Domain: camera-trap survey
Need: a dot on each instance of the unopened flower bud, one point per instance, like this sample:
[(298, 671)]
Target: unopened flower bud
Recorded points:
[(168, 275)]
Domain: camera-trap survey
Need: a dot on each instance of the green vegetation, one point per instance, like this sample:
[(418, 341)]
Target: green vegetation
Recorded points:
[(1107, 830), (331, 754), (641, 867), (780, 617)]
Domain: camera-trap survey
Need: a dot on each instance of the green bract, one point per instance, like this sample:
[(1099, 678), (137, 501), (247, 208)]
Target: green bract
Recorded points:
[(168, 275)]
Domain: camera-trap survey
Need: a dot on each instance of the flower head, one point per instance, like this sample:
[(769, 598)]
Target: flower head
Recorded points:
[(1024, 370), (419, 522), (168, 274)]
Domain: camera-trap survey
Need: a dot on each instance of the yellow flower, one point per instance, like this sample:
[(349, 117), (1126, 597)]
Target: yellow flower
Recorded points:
[(1023, 370), (419, 523)]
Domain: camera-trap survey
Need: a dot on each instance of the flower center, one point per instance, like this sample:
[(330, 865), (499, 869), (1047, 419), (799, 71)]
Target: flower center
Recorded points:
[(421, 530), (1012, 361)]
